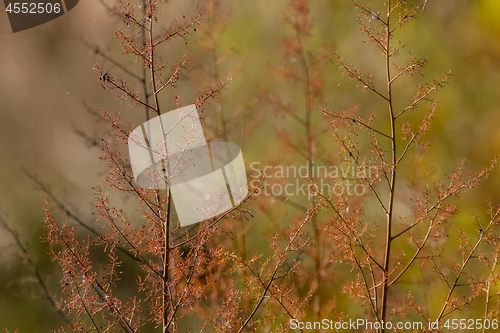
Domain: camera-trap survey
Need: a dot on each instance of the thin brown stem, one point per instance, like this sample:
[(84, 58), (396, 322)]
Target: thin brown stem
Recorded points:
[(388, 238)]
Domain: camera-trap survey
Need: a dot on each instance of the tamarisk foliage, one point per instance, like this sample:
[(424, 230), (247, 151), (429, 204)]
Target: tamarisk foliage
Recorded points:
[(337, 255), (178, 267), (387, 245)]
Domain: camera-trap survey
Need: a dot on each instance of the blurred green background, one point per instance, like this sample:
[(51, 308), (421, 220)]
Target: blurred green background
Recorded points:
[(46, 79)]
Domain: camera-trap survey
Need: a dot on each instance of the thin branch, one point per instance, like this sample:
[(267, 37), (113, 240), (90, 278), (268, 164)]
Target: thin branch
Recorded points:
[(356, 237), (355, 121), (45, 189), (281, 260), (464, 264), (50, 297), (353, 74), (419, 98)]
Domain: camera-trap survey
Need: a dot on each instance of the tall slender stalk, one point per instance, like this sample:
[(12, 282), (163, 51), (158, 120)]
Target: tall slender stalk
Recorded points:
[(310, 165), (392, 185)]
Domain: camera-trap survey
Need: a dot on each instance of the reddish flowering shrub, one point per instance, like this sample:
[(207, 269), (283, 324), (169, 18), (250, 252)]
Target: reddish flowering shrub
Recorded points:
[(379, 249)]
